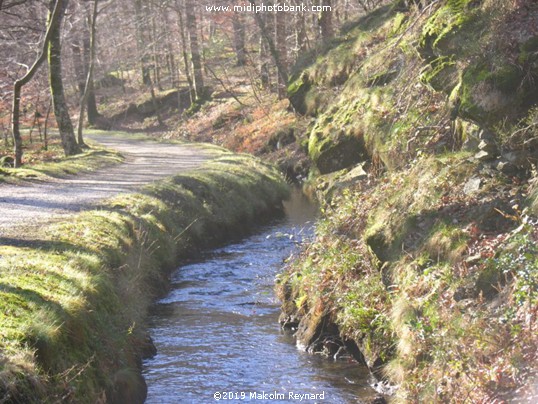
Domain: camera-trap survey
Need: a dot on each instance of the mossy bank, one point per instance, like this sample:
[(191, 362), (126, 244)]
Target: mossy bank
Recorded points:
[(423, 136), (73, 301)]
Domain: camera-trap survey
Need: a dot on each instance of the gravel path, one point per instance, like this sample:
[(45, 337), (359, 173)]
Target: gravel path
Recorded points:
[(28, 205)]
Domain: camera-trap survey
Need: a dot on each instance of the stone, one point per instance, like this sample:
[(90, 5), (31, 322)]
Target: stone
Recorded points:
[(487, 146), (520, 158), (486, 136), (473, 259), (470, 134), (484, 156), (356, 174), (334, 150), (470, 144), (472, 185), (505, 167)]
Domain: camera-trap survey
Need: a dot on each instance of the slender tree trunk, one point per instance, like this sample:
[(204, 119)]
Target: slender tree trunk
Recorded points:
[(280, 37), (271, 44), (89, 77), (61, 111), (301, 40), (140, 23), (46, 126), (195, 50), (239, 39), (91, 101), (155, 56), (184, 51), (325, 20), (168, 49), (156, 105), (35, 121), (4, 132), (78, 64), (54, 22), (265, 77)]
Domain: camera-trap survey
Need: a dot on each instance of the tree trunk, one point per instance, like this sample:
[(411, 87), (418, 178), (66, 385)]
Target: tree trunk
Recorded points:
[(301, 40), (325, 20), (91, 102), (61, 111), (280, 36), (54, 22), (281, 70), (89, 77), (239, 39), (195, 50), (78, 64), (140, 23), (184, 51), (265, 76)]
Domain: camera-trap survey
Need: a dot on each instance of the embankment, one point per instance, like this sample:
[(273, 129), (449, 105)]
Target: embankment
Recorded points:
[(74, 299), (423, 137)]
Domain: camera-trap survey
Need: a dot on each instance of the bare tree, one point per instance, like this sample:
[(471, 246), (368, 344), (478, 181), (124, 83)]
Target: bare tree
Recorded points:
[(239, 39), (54, 22), (89, 77), (282, 51), (141, 38), (326, 20), (196, 60), (281, 69), (59, 103)]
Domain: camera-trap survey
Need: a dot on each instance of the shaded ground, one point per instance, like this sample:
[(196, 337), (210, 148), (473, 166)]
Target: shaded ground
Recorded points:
[(145, 161)]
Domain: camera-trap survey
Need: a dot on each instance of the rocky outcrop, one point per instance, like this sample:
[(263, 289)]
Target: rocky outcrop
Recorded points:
[(438, 102)]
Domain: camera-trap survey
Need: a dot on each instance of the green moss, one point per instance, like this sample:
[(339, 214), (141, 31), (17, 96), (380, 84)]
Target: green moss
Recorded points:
[(399, 23), (441, 75), (443, 25), (485, 92)]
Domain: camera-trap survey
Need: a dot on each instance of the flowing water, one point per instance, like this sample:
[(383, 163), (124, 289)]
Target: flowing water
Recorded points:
[(217, 331)]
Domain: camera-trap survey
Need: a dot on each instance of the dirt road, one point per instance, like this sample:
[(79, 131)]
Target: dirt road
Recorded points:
[(145, 161)]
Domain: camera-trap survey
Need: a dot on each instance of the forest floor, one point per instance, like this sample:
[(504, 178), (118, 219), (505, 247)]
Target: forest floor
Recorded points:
[(30, 204)]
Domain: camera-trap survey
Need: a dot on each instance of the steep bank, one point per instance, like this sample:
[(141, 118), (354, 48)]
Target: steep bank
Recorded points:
[(423, 138), (73, 300)]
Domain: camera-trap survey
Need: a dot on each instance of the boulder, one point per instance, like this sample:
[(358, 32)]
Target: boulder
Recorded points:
[(334, 150)]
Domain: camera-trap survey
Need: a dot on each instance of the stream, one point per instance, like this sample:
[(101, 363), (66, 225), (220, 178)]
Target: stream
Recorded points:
[(217, 331)]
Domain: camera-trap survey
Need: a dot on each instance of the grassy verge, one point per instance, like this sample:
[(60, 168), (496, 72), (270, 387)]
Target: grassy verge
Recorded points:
[(91, 160), (73, 301)]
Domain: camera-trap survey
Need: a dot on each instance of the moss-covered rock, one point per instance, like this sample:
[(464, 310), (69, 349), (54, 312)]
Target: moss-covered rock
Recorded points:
[(297, 91), (334, 149), (446, 27), (441, 74), (487, 93)]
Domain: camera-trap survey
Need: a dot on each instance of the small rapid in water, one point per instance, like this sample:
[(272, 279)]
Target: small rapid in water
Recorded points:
[(217, 331)]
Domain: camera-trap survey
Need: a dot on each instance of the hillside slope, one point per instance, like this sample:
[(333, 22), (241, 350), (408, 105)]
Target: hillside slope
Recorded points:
[(423, 138)]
